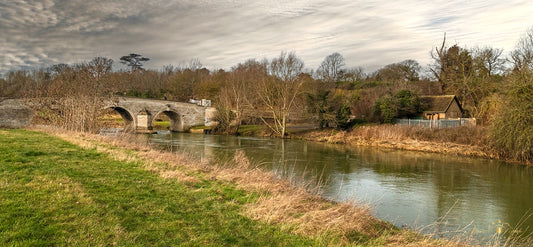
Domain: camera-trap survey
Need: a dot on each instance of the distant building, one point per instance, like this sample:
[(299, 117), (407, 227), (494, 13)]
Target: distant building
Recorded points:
[(441, 107), (203, 102)]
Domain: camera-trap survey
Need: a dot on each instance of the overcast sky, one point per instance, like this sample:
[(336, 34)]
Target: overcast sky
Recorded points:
[(223, 33)]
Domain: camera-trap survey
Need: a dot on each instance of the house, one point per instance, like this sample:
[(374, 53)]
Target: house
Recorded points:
[(441, 107)]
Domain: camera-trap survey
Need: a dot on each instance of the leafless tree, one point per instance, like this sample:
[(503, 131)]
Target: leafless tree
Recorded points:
[(329, 70), (354, 75), (522, 56), (488, 60), (194, 64), (402, 72), (236, 97), (440, 65), (279, 91)]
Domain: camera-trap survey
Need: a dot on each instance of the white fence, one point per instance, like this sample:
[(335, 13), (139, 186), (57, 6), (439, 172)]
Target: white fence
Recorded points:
[(441, 123)]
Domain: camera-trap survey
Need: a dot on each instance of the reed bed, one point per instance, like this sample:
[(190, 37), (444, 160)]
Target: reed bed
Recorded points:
[(462, 141)]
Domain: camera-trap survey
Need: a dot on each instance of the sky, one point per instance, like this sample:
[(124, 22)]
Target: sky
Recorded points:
[(223, 33)]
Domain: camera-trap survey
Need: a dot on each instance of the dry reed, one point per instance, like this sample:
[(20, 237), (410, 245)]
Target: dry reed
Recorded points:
[(463, 141)]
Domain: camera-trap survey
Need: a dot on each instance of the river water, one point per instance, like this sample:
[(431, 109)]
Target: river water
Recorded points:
[(436, 194)]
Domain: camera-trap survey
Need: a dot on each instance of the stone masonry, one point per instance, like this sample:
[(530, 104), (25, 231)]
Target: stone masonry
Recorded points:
[(139, 114), (14, 114)]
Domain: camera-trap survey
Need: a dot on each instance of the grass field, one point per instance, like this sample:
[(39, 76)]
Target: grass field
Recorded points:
[(77, 189), (56, 193)]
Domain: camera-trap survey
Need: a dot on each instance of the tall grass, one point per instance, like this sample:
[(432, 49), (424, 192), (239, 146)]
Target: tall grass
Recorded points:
[(464, 141), (467, 135)]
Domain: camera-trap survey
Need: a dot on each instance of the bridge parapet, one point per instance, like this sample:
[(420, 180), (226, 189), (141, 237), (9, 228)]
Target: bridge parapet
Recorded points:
[(139, 113)]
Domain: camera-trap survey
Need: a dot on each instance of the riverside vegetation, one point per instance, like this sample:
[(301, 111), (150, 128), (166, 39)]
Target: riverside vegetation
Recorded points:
[(65, 188), (275, 93), (461, 141)]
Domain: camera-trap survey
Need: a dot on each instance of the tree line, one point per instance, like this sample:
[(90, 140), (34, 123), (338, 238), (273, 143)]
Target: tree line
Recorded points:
[(494, 89)]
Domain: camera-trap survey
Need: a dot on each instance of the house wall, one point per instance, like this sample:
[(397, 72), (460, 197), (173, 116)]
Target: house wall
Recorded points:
[(434, 116), (454, 111)]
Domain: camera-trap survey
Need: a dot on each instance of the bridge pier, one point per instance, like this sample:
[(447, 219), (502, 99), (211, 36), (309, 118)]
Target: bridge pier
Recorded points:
[(144, 120)]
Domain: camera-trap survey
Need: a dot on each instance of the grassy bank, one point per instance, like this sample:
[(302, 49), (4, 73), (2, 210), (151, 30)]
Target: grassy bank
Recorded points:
[(76, 189), (54, 192)]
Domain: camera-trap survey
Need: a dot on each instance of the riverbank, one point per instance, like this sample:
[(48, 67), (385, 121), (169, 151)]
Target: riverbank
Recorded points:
[(462, 141), (120, 191)]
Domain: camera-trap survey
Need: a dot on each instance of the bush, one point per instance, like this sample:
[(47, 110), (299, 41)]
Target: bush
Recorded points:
[(343, 117), (511, 132), (403, 104), (408, 104), (225, 118), (385, 109)]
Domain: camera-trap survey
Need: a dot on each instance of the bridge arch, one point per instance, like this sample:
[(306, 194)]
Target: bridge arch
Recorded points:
[(139, 114), (127, 116), (176, 121)]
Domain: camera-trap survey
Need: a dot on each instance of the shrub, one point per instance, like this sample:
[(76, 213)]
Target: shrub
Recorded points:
[(225, 118), (343, 117), (385, 109), (404, 103), (511, 131)]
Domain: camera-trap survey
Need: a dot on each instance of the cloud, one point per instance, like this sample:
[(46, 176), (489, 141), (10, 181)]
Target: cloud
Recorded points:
[(222, 33)]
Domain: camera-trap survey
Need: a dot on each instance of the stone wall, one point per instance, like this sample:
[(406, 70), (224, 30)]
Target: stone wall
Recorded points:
[(14, 114)]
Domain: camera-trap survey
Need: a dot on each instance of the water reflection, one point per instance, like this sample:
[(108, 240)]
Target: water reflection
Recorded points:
[(406, 188)]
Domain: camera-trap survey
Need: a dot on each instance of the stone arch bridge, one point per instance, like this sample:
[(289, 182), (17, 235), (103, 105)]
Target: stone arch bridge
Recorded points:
[(139, 114)]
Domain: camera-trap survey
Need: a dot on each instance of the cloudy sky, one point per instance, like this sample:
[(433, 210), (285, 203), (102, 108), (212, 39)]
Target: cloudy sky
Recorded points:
[(223, 33)]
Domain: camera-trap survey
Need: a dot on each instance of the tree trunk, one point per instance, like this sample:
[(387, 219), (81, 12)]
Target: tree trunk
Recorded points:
[(283, 125)]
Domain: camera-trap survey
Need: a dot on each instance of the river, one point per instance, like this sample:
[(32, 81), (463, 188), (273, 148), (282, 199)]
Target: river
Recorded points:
[(436, 194)]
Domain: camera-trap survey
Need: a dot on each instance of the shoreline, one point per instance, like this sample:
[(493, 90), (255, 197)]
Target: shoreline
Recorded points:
[(396, 142)]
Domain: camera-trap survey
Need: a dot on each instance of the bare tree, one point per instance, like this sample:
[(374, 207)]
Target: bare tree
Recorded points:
[(522, 56), (279, 91), (404, 71), (488, 60), (15, 84), (194, 64), (354, 75), (99, 68), (439, 67), (329, 70), (235, 100)]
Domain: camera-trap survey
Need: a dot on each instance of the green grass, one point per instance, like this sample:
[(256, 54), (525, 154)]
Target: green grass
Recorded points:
[(200, 127), (55, 193), (250, 130), (161, 124)]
